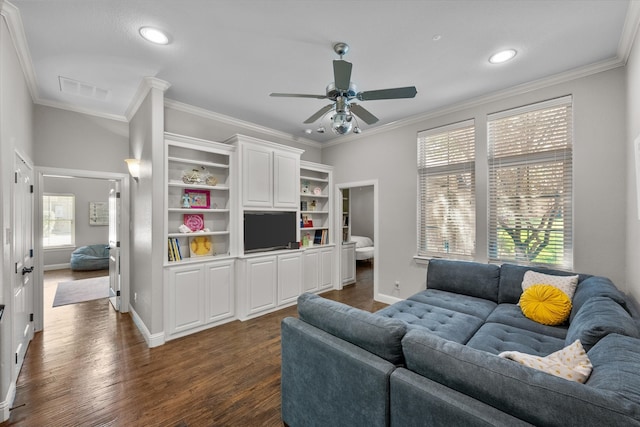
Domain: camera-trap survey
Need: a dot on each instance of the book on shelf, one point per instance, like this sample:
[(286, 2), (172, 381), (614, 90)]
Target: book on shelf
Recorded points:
[(175, 254), (320, 237)]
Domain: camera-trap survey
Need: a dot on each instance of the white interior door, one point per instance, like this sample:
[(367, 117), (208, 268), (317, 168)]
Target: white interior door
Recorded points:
[(23, 259), (114, 246)]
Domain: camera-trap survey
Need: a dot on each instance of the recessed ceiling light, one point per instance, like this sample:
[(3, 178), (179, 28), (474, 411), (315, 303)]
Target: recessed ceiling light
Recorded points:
[(502, 56), (154, 35)]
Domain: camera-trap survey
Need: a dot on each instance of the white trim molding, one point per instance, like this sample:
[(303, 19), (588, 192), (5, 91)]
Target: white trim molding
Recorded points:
[(207, 114), (152, 340), (5, 405), (16, 30), (146, 85)]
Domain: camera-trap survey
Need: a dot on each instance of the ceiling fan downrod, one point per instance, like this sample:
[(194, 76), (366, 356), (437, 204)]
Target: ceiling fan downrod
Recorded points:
[(341, 49)]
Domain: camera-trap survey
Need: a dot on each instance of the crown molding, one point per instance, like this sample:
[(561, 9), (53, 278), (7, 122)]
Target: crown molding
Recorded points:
[(81, 110), (207, 114), (146, 85), (629, 30), (485, 99), (12, 17)]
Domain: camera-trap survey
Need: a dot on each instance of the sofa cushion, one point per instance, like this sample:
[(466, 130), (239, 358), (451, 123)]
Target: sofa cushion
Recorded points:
[(511, 277), (545, 304), (525, 393), (566, 284), (511, 314), (474, 306), (597, 318), (380, 335), (463, 277), (495, 338), (616, 366), (596, 286), (448, 324)]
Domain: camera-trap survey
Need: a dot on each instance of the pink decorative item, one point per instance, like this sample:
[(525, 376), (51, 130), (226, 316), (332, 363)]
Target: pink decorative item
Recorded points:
[(195, 222)]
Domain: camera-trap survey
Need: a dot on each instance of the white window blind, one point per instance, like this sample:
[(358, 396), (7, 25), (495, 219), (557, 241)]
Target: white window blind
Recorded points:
[(446, 187), (58, 220), (530, 184)]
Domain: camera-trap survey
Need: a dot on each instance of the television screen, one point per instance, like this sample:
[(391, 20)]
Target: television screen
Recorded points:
[(268, 231)]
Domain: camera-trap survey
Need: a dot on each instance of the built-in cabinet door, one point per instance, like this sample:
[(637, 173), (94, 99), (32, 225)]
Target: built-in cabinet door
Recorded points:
[(186, 305), (261, 276), (289, 277), (326, 268), (219, 291), (348, 264), (257, 176), (310, 268), (286, 191)]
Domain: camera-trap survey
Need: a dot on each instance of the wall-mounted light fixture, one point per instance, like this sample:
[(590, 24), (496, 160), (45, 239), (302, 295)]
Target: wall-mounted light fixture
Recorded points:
[(134, 168)]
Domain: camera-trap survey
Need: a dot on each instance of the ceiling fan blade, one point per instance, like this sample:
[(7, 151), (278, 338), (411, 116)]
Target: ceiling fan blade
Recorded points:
[(342, 74), (297, 95), (400, 92), (363, 113), (321, 112)]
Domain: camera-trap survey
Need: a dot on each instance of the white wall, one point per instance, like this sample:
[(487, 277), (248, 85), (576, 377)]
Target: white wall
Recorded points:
[(632, 250), (85, 190), (599, 176)]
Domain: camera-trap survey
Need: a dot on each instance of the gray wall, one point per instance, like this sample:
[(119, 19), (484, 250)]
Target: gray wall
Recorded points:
[(362, 211), (65, 139), (599, 175), (209, 128), (16, 134), (85, 190), (632, 250)]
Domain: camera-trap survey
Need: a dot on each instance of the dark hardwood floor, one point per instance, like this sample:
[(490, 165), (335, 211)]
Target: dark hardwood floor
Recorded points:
[(91, 367)]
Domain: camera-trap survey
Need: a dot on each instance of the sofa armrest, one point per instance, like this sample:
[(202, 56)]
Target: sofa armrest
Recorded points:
[(533, 396), (329, 381), (418, 401)]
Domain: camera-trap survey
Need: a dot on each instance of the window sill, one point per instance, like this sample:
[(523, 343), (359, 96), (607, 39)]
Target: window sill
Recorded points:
[(59, 248)]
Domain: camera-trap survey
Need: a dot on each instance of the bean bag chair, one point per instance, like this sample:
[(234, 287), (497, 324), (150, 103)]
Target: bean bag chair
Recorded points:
[(92, 257)]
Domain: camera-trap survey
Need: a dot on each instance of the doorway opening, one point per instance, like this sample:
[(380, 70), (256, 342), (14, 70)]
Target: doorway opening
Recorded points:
[(97, 220), (357, 209)]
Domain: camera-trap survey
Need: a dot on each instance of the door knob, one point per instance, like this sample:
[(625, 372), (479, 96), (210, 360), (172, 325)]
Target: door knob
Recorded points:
[(26, 270)]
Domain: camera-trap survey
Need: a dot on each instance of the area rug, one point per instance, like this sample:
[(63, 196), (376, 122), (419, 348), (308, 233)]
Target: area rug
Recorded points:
[(81, 290)]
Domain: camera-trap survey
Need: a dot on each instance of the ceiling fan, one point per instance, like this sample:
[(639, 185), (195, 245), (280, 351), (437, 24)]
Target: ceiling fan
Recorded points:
[(342, 92)]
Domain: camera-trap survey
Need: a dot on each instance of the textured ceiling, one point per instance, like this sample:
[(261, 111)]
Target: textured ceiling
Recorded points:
[(226, 56)]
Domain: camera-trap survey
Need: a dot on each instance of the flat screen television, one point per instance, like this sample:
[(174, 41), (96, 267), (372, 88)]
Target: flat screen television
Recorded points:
[(268, 231)]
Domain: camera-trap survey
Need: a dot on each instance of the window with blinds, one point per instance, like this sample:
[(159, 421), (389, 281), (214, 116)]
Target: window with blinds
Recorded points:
[(446, 187), (58, 220), (530, 184)]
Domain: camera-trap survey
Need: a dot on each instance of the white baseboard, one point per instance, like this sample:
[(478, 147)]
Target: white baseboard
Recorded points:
[(5, 406), (57, 266), (387, 299), (154, 340)]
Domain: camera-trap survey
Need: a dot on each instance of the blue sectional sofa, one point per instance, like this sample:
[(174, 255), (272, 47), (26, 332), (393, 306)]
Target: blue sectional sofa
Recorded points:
[(432, 359)]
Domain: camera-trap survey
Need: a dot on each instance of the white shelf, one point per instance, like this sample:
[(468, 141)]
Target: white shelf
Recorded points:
[(197, 162), (310, 178), (199, 233), (313, 228), (195, 210), (314, 196), (198, 186), (313, 212)]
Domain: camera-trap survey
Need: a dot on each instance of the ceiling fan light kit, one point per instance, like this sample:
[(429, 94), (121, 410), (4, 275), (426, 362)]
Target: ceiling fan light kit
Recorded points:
[(342, 91)]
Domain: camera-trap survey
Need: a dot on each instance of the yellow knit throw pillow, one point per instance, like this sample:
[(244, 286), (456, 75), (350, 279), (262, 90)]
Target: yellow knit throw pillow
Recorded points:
[(545, 304)]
